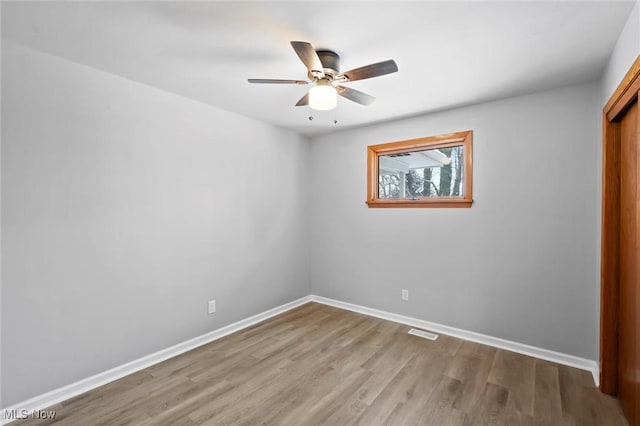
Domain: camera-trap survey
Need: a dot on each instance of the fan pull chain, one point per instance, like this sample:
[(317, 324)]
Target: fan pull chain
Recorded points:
[(310, 114)]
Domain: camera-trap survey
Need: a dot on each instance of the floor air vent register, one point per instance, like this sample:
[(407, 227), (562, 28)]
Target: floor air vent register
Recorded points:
[(423, 334)]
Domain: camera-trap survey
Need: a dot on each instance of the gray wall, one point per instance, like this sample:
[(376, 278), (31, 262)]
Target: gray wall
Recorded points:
[(125, 209), (520, 264)]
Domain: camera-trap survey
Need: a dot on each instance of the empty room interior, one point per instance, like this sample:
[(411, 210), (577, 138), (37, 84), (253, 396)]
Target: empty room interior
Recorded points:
[(320, 213)]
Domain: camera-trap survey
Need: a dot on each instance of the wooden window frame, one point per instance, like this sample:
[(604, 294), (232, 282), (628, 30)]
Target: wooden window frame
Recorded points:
[(432, 142)]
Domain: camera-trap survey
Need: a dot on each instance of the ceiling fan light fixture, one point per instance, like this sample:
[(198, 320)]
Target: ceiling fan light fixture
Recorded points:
[(323, 96)]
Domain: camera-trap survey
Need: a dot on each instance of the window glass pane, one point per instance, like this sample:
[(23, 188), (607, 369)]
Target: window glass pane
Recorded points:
[(420, 174)]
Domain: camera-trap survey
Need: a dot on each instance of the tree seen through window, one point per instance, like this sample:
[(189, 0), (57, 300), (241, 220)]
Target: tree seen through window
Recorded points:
[(443, 177)]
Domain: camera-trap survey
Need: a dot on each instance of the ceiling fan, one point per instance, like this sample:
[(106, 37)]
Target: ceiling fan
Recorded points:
[(324, 72)]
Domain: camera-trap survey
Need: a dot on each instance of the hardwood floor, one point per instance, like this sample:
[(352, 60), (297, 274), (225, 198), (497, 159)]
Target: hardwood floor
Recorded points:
[(325, 366)]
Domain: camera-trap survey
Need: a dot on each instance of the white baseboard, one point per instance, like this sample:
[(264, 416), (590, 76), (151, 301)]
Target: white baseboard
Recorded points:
[(61, 394), (521, 348)]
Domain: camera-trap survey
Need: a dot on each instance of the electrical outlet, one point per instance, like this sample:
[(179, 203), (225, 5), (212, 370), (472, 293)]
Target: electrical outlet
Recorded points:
[(212, 306), (405, 294)]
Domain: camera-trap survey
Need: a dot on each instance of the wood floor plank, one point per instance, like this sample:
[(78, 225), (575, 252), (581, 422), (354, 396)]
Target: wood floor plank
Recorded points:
[(177, 410), (385, 372), (388, 400), (582, 403), (547, 400), (516, 373), (428, 376), (320, 365), (491, 408), (439, 407), (471, 365)]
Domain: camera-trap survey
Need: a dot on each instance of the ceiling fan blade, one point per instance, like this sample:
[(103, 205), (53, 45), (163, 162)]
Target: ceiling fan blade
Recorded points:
[(303, 100), (309, 57), (355, 95), (370, 71), (272, 81)]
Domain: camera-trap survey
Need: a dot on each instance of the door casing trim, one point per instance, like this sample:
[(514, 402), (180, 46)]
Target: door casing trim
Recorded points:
[(623, 96)]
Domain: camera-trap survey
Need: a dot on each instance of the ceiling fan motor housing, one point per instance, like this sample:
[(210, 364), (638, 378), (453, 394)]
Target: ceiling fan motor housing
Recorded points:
[(330, 61)]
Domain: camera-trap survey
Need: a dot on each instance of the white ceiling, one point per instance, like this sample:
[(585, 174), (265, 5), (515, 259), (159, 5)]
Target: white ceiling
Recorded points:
[(448, 53)]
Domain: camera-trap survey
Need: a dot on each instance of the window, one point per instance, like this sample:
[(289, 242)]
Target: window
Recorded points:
[(426, 172)]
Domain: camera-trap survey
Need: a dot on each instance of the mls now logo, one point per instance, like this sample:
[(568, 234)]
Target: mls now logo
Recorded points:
[(16, 414)]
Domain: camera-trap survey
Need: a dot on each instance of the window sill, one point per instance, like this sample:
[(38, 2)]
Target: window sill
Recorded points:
[(443, 203)]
